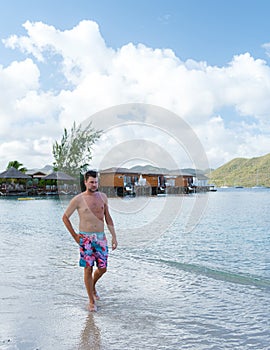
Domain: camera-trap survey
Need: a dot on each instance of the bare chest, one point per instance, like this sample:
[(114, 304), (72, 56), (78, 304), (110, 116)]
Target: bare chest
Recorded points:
[(92, 205)]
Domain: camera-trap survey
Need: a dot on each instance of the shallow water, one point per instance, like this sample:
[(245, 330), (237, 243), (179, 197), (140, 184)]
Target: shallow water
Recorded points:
[(166, 287)]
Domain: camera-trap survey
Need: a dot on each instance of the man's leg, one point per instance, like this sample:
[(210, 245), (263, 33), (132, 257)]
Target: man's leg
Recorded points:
[(96, 276), (88, 281)]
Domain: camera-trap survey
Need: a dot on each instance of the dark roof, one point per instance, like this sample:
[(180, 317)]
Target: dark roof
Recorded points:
[(155, 172), (36, 173), (13, 173), (118, 171), (59, 175)]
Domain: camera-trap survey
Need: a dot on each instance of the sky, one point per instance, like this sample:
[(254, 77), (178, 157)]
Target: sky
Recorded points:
[(205, 61)]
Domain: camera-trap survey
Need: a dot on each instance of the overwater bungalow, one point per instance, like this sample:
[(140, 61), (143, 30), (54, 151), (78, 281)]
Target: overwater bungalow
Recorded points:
[(118, 181), (156, 182), (178, 183), (122, 181), (186, 181)]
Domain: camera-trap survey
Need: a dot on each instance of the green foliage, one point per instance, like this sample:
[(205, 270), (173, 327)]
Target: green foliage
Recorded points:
[(17, 165), (73, 153), (243, 172)]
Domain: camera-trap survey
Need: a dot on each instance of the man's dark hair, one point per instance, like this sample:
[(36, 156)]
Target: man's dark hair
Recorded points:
[(90, 173)]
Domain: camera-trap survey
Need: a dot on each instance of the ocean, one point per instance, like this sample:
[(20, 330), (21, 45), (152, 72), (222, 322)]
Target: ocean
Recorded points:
[(191, 272)]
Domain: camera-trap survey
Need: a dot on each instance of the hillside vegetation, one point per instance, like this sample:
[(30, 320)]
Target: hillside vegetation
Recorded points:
[(245, 172)]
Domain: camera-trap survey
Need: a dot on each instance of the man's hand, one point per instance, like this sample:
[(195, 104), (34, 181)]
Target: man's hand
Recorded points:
[(77, 238), (114, 243)]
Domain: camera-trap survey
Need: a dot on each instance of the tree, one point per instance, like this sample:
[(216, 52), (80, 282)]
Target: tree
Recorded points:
[(17, 165), (73, 153)]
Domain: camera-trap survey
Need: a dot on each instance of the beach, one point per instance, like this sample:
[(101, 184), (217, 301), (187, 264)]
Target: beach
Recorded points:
[(166, 287)]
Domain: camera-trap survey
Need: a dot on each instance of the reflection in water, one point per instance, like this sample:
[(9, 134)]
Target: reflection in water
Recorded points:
[(90, 335)]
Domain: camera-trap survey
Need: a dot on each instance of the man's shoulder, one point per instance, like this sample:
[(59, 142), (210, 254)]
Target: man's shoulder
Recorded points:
[(102, 195), (77, 198)]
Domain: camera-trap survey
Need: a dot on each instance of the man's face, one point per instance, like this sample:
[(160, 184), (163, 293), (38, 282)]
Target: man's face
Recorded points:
[(91, 184)]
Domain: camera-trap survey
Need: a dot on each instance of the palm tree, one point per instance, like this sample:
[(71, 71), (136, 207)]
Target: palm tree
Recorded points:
[(17, 165)]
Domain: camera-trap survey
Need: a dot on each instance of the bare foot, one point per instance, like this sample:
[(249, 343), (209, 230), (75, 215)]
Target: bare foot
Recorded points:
[(96, 295), (92, 307)]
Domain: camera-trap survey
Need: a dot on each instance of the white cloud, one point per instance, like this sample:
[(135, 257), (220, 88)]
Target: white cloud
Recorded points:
[(99, 77), (15, 81), (32, 152)]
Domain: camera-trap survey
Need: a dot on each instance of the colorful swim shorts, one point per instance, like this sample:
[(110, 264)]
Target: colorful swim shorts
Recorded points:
[(93, 248)]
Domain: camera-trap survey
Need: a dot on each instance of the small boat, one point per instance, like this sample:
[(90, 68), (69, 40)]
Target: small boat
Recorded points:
[(212, 188)]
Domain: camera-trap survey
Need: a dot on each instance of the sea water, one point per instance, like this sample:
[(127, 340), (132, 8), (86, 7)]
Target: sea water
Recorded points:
[(167, 287)]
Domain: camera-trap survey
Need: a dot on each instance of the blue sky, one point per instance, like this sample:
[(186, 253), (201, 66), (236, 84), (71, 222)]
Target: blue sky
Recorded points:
[(220, 45), (204, 30)]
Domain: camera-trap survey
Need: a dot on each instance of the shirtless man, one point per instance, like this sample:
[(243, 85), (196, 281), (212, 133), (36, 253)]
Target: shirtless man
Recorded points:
[(92, 207)]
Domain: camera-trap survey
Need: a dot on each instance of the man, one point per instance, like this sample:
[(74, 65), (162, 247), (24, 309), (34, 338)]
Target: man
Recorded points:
[(92, 207)]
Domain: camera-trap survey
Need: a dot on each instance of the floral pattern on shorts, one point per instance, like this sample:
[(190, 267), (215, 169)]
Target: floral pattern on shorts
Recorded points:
[(93, 248)]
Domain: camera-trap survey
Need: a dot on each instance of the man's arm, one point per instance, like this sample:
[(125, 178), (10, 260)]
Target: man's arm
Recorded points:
[(109, 222), (69, 211)]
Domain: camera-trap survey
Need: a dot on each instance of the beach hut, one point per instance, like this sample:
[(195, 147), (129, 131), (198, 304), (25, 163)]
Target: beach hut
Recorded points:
[(59, 175), (12, 173), (61, 188), (36, 174)]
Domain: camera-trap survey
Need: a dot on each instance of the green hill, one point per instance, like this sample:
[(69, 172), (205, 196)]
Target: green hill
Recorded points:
[(245, 172)]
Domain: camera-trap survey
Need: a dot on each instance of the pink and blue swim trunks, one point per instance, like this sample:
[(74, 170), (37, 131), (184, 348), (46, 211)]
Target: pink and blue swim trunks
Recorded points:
[(93, 248)]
